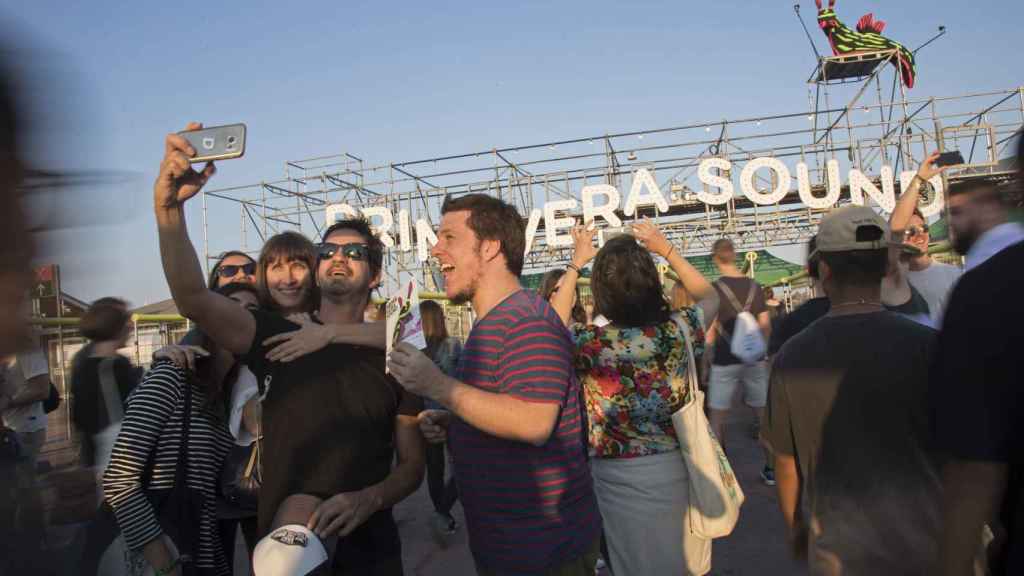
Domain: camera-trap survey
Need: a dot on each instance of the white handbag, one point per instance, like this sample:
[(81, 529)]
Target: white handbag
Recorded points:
[(715, 494)]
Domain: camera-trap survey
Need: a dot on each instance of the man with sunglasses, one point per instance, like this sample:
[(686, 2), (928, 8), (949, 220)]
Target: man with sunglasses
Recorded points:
[(333, 422), (934, 280)]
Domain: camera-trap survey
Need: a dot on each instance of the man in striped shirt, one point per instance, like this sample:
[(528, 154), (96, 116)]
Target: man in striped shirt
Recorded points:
[(518, 435)]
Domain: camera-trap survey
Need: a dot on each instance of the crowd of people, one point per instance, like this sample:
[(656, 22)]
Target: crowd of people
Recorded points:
[(884, 405)]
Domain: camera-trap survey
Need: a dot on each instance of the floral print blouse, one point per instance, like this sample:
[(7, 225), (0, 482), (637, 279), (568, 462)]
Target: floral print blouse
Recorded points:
[(633, 380)]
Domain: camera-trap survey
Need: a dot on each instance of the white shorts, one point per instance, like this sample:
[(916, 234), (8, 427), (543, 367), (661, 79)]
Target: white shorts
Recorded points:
[(725, 380)]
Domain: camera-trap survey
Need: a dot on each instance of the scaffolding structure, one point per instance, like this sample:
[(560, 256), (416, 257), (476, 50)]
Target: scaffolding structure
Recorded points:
[(867, 132)]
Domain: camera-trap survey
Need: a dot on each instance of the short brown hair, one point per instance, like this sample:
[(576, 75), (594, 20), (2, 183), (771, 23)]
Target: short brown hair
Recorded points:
[(105, 319), (493, 219), (290, 246)]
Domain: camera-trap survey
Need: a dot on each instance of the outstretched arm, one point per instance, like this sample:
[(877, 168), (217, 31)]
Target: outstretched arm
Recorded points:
[(910, 197), (583, 252), (692, 280), (227, 323), (289, 346)]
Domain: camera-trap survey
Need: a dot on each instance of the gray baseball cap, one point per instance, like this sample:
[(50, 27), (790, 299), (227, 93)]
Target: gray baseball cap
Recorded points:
[(853, 228)]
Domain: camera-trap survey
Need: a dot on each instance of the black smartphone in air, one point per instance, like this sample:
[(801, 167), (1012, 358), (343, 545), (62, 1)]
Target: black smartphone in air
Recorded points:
[(216, 142), (950, 158)]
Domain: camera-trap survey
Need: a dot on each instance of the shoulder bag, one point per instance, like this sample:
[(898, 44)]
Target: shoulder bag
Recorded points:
[(715, 494)]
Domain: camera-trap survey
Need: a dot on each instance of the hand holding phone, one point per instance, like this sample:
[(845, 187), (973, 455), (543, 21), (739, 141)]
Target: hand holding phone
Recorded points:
[(177, 180)]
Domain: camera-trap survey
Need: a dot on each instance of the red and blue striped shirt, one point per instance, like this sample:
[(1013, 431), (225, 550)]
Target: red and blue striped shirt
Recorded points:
[(528, 508)]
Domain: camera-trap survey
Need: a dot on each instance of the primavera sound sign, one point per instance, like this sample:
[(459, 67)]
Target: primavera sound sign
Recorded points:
[(603, 200)]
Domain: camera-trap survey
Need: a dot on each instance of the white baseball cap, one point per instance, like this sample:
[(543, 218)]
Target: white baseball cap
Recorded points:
[(291, 550)]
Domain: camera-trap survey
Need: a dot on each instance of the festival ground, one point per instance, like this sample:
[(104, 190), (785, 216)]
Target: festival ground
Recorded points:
[(756, 547)]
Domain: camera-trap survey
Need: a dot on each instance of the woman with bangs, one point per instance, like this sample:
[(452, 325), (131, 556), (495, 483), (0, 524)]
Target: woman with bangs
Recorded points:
[(286, 274), (634, 373)]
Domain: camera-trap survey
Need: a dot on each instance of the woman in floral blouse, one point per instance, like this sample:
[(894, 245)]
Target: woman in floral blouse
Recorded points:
[(634, 375)]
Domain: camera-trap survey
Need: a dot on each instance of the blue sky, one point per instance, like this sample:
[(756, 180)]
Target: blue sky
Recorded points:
[(401, 81)]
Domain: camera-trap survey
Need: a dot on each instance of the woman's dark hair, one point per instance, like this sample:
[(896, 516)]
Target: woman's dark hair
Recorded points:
[(105, 319), (626, 286), (289, 246), (434, 328), (548, 284), (211, 282)]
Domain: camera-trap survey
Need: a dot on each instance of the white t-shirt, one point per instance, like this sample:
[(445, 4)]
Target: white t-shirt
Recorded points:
[(15, 373), (935, 283)]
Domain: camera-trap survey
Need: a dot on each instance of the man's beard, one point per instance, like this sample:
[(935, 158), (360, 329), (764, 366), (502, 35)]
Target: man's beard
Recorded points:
[(467, 294), (963, 242), (338, 290)]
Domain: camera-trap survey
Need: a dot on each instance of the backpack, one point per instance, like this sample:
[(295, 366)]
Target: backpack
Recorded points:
[(747, 341)]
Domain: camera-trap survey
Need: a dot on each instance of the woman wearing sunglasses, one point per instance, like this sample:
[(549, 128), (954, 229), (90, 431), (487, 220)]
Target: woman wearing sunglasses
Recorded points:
[(233, 266)]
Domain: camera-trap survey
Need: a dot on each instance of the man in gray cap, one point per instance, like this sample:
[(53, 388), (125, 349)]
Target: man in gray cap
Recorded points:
[(847, 405)]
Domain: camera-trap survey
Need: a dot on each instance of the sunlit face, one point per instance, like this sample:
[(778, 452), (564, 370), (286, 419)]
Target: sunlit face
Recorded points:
[(458, 253), (917, 234), (341, 276), (236, 261), (245, 299), (289, 282)]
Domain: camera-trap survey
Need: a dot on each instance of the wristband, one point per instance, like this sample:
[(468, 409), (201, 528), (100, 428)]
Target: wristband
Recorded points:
[(571, 266), (671, 249)]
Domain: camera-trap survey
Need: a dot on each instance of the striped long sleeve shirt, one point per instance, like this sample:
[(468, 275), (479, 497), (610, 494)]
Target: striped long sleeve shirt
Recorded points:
[(151, 432)]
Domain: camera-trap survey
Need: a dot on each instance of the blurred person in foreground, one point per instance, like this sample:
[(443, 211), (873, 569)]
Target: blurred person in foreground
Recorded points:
[(516, 433), (847, 417), (976, 379), (634, 372), (333, 422)]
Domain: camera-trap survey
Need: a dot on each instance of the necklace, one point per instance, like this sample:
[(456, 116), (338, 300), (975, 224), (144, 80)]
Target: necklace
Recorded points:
[(858, 303)]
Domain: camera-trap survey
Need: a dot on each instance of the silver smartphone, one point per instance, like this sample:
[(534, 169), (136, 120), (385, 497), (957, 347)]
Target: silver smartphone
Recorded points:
[(216, 142)]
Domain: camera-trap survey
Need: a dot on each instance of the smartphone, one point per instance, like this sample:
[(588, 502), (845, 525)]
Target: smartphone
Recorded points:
[(216, 142), (952, 158)]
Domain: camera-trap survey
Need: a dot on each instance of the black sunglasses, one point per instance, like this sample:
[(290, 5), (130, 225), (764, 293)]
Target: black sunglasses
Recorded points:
[(354, 251), (229, 270)]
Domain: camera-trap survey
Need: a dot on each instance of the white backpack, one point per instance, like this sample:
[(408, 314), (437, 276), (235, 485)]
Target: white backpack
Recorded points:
[(747, 341)]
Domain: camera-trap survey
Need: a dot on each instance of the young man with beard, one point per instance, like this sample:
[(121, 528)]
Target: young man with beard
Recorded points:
[(332, 421), (517, 434)]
